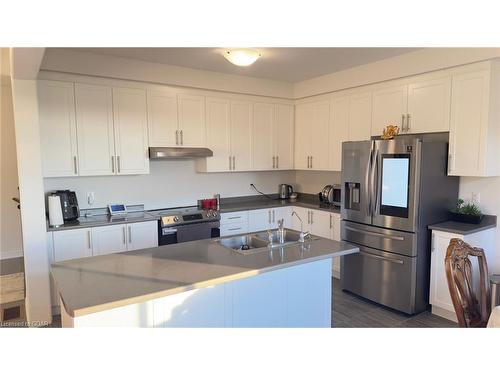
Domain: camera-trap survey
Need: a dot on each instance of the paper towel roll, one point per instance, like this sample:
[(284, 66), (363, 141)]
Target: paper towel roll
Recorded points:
[(55, 211)]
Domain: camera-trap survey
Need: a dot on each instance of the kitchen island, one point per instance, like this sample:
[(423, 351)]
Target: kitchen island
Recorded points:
[(201, 284)]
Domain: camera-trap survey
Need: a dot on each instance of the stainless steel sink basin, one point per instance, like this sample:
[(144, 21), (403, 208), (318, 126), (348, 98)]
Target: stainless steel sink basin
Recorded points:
[(250, 243), (243, 243)]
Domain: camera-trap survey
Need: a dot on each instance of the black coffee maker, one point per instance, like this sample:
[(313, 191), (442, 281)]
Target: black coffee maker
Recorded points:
[(69, 204)]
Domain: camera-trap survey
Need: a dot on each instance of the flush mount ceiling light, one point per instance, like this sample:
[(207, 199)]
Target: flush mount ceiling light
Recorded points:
[(241, 56)]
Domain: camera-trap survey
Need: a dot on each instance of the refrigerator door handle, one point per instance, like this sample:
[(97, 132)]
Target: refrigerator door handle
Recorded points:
[(374, 183), (368, 188)]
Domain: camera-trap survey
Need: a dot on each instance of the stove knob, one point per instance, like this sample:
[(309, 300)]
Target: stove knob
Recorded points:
[(210, 214), (176, 219)]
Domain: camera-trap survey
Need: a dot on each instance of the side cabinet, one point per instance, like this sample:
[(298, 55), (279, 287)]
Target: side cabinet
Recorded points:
[(439, 295), (71, 244), (232, 223), (142, 235)]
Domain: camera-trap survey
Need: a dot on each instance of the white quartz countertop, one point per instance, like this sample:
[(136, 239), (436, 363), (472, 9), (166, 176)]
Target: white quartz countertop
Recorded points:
[(99, 283)]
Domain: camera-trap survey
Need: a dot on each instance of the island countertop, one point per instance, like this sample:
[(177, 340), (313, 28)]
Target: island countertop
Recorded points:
[(100, 283)]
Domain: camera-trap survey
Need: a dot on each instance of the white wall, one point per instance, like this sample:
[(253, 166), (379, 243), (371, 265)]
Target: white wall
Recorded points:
[(10, 218), (170, 183), (489, 188)]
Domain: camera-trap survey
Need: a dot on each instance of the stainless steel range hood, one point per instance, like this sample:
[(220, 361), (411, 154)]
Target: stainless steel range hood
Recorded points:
[(179, 152)]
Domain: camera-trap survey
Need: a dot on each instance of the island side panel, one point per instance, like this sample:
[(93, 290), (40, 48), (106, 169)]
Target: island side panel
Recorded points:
[(135, 315)]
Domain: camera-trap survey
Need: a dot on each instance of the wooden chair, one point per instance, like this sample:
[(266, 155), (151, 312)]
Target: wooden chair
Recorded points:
[(470, 312)]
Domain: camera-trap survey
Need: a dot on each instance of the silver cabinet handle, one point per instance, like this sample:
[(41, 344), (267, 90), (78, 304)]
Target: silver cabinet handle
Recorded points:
[(331, 221), (113, 164), (177, 137), (234, 229), (403, 122), (74, 164), (118, 163), (234, 217), (89, 239), (234, 163), (269, 216), (398, 261), (277, 161), (308, 217), (408, 127), (311, 162), (375, 234), (274, 162), (129, 234), (229, 162), (182, 137), (308, 163), (274, 217), (124, 235), (312, 217)]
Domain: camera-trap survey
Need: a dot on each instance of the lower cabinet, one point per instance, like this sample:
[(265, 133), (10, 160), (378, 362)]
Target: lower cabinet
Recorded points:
[(233, 223), (439, 294), (264, 219), (109, 239), (71, 244)]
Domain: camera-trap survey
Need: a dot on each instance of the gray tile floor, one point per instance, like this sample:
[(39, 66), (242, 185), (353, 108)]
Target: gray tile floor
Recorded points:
[(350, 311)]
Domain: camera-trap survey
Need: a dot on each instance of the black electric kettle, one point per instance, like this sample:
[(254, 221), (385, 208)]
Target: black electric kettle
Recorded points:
[(285, 191)]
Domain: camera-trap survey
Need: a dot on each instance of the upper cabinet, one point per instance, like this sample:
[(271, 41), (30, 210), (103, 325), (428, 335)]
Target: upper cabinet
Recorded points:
[(162, 119), (283, 136), (429, 106), (262, 136), (94, 124), (475, 122), (218, 135), (58, 128), (131, 131), (339, 130), (241, 136), (360, 116), (390, 107), (312, 126), (191, 113)]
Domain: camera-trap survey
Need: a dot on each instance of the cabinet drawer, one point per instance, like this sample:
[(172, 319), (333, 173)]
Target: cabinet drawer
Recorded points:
[(233, 229), (234, 217)]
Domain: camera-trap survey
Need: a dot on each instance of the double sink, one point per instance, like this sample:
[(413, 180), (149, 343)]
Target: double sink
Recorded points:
[(260, 240)]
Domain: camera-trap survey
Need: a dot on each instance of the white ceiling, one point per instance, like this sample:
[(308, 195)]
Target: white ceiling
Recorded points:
[(281, 64)]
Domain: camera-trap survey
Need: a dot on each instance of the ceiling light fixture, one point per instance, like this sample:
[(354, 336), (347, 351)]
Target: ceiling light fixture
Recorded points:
[(241, 56)]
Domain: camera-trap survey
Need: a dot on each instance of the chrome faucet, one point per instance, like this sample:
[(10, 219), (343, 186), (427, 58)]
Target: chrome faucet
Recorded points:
[(281, 231), (303, 234)]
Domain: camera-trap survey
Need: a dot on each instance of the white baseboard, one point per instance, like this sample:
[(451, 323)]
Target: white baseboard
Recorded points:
[(11, 254), (443, 313)]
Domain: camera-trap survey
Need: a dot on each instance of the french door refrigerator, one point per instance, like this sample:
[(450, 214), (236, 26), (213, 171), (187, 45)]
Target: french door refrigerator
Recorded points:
[(391, 191)]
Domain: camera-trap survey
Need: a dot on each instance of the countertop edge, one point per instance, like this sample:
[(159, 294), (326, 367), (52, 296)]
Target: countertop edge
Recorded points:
[(447, 226), (200, 285)]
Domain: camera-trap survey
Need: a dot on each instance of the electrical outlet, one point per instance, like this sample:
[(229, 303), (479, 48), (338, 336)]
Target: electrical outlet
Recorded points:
[(90, 198), (476, 198)]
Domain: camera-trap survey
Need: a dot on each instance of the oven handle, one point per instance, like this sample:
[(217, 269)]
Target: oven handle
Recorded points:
[(166, 231), (398, 261), (397, 238)]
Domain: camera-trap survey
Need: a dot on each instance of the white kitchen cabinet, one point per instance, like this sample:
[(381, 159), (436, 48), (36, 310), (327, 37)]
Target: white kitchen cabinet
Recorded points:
[(56, 101), (218, 136), (283, 135), (142, 235), (339, 130), (429, 105), (72, 244), (233, 223), (303, 213), (163, 124), (131, 131), (191, 116), (439, 295), (94, 124), (109, 239), (321, 223), (312, 135), (241, 136), (336, 237), (474, 135), (390, 107), (259, 220), (262, 136), (360, 116)]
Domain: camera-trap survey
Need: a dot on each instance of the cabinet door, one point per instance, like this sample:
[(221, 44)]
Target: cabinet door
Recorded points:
[(303, 125), (339, 131), (162, 119), (142, 235), (56, 101), (131, 131), (109, 239), (218, 134), (262, 136), (191, 114), (72, 244), (429, 106), (284, 136), (336, 237), (389, 106), (259, 220), (321, 223), (232, 229), (94, 125), (284, 213), (320, 136), (469, 121), (241, 135), (439, 293), (360, 117)]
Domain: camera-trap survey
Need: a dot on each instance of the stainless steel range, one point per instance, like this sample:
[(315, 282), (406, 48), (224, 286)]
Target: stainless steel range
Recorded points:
[(183, 224)]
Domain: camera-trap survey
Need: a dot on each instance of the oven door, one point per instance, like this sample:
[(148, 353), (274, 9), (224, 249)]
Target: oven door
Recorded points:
[(188, 232), (395, 181)]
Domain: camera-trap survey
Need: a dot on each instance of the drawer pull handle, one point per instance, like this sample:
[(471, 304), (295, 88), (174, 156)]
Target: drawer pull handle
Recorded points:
[(381, 258), (389, 237), (234, 228)]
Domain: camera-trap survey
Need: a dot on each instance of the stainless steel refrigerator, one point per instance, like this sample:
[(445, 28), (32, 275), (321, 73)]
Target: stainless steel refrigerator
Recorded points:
[(391, 191)]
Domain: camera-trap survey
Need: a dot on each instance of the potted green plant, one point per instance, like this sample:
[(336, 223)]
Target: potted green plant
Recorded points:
[(466, 212)]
